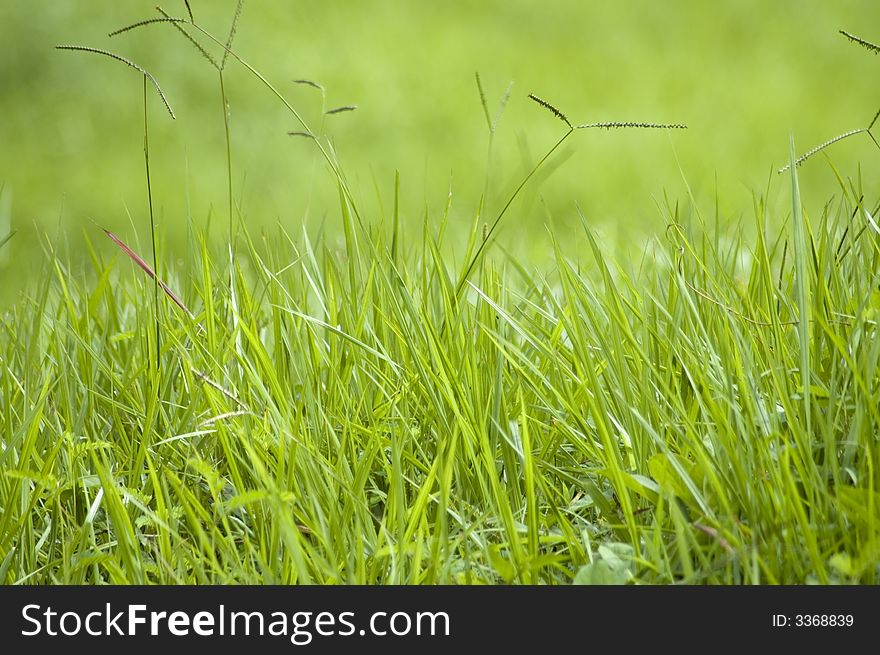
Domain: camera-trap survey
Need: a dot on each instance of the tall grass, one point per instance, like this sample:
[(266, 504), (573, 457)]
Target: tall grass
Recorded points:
[(380, 413), (610, 425), (146, 77)]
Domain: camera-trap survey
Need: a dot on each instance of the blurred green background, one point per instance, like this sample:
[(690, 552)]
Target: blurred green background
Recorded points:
[(743, 75)]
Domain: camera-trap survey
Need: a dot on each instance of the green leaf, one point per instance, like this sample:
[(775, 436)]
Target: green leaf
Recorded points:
[(842, 563), (611, 566), (501, 564), (675, 477), (642, 485)]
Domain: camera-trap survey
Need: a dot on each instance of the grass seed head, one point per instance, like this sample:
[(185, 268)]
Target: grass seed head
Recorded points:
[(553, 110)]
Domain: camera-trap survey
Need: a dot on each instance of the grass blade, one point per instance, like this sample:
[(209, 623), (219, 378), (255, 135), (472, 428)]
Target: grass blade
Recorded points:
[(802, 287), (137, 259)]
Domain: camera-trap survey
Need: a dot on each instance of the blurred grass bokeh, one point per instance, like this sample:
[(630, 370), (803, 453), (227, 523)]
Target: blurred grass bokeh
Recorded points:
[(742, 75)]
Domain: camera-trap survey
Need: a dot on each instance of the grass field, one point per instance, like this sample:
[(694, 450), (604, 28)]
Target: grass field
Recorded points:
[(378, 373)]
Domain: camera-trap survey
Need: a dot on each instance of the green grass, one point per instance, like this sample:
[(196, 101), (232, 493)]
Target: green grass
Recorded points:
[(387, 404), (698, 419)]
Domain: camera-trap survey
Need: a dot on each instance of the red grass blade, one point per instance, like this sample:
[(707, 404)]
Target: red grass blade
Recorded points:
[(149, 271)]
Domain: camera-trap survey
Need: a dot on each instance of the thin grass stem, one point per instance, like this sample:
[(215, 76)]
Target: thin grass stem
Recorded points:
[(152, 228)]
